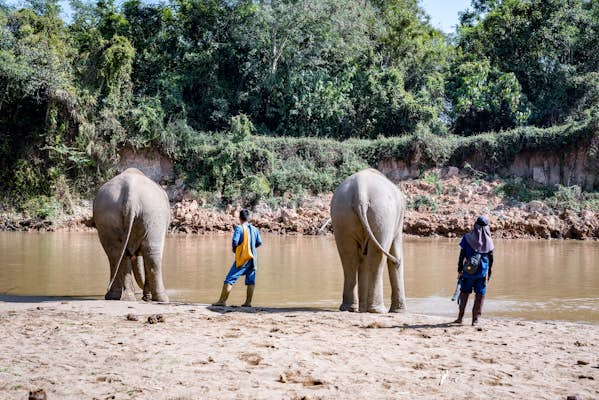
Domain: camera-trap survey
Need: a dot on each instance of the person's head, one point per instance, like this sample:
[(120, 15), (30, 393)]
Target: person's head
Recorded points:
[(482, 221), (244, 216), (479, 238)]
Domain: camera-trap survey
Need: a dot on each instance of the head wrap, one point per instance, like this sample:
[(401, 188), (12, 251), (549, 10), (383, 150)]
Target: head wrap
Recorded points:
[(479, 238)]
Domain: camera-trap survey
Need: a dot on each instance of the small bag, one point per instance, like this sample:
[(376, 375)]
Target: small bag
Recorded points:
[(243, 252), (472, 264)]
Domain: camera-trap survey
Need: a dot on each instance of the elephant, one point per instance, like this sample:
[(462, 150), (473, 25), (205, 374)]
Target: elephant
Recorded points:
[(131, 213), (367, 212)]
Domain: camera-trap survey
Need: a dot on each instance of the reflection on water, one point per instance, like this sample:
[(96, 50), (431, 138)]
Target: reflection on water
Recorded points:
[(531, 279)]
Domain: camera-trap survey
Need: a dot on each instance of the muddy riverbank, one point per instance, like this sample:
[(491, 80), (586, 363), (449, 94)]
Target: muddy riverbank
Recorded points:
[(444, 206)]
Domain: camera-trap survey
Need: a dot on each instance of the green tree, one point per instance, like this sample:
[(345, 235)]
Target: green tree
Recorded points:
[(420, 54), (484, 98), (546, 44), (36, 94)]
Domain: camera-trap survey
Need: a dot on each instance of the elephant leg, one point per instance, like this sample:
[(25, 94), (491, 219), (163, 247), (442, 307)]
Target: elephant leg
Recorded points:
[(154, 285), (372, 268), (363, 283), (123, 286), (398, 294), (137, 264), (148, 282), (350, 259)]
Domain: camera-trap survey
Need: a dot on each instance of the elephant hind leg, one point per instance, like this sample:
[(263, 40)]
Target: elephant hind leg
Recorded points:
[(147, 283), (137, 264), (154, 286), (122, 287), (396, 272), (371, 282), (349, 253), (363, 282)]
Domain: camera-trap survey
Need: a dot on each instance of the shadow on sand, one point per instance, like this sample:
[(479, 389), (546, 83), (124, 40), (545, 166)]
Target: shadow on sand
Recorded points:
[(265, 310), (282, 310), (40, 299), (423, 326)]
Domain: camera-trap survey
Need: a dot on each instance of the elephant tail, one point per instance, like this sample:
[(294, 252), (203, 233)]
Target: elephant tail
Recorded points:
[(130, 217), (364, 220)]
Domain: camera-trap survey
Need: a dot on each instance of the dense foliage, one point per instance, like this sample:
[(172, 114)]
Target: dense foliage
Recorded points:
[(236, 166), (197, 78)]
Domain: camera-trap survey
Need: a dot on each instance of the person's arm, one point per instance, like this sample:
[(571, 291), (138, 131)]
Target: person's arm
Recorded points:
[(237, 233), (490, 266), (461, 260), (258, 239)]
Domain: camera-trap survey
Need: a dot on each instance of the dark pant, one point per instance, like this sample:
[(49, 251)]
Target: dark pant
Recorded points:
[(479, 285)]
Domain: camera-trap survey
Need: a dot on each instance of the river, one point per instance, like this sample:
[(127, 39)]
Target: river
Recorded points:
[(548, 280)]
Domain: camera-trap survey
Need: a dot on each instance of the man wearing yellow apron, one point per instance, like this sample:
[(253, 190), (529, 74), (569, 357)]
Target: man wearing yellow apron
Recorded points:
[(246, 239)]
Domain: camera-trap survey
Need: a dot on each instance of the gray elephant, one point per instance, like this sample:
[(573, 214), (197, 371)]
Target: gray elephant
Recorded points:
[(367, 212), (132, 215)]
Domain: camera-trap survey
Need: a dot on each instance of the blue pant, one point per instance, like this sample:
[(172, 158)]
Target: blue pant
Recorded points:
[(247, 269), (478, 284)]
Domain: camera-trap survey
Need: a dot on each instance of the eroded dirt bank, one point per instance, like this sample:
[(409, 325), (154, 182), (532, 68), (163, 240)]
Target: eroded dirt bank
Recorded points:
[(445, 207), (88, 349)]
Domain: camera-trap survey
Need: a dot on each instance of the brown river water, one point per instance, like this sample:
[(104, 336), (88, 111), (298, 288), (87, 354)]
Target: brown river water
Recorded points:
[(543, 280)]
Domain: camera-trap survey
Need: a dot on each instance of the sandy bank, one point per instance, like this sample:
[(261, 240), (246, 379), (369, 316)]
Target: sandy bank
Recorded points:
[(87, 349)]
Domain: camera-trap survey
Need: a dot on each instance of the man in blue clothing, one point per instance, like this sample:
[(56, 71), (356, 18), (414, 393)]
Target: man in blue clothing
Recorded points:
[(246, 259), (475, 267)]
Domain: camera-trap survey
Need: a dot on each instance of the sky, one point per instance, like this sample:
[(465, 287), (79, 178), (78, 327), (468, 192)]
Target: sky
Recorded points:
[(443, 13)]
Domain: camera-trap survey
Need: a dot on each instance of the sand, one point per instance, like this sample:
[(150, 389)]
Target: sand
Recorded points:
[(84, 349)]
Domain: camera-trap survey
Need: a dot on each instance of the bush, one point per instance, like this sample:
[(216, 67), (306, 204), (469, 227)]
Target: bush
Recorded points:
[(433, 179), (255, 188), (424, 202), (518, 189), (238, 165), (241, 128), (573, 198), (43, 207)]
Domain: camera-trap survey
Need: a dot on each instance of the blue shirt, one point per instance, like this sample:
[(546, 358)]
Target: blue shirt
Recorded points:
[(254, 239), (484, 260)]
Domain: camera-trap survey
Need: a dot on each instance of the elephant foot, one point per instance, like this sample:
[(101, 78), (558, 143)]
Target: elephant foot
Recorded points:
[(160, 297), (128, 296), (348, 307), (121, 295), (112, 296), (147, 297), (377, 310), (398, 309), (124, 296)]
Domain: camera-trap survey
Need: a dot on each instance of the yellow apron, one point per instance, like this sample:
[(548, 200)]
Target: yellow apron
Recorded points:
[(243, 252)]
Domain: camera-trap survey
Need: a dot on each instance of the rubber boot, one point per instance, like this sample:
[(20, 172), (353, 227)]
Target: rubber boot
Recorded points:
[(249, 295), (477, 309), (463, 300), (224, 295)]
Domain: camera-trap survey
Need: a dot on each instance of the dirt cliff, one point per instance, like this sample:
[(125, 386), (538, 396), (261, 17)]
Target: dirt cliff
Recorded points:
[(447, 206)]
